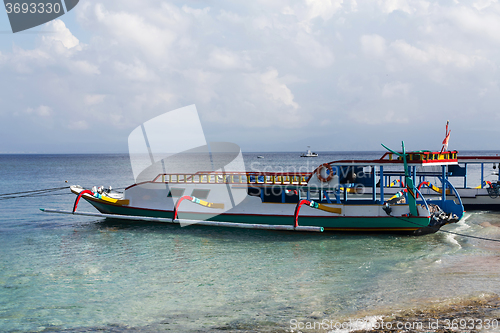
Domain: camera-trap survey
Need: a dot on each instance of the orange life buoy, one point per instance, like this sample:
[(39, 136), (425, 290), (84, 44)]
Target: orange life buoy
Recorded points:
[(330, 175)]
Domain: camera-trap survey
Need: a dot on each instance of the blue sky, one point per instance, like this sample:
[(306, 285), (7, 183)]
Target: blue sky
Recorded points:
[(266, 75)]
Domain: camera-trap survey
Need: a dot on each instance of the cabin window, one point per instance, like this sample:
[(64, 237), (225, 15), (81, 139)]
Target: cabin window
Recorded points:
[(173, 178), (196, 178), (200, 194), (176, 192)]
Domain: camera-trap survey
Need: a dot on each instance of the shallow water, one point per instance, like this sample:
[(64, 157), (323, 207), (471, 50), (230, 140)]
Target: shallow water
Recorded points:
[(72, 273)]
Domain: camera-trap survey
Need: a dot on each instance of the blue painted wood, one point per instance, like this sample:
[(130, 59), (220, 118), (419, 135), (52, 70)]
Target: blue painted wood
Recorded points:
[(482, 174), (443, 181), (382, 184), (374, 184), (465, 177)]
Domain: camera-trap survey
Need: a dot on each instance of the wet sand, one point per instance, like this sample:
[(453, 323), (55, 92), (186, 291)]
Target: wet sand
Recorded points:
[(473, 314), (477, 314)]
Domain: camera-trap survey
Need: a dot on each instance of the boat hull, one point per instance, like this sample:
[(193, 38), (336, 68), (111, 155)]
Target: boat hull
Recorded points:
[(400, 224)]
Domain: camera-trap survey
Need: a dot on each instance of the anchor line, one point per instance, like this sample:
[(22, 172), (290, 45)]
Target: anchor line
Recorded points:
[(450, 232), (38, 193), (34, 193)]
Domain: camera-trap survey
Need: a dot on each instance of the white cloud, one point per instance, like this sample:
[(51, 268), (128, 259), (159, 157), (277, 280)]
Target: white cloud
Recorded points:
[(59, 33), (136, 71), (483, 4), (23, 61), (380, 118), (389, 6), (271, 65), (94, 99), (373, 45), (137, 31), (475, 24), (276, 90), (196, 12), (315, 53), (41, 111), (225, 59), (394, 89), (229, 17), (78, 125), (432, 53), (84, 67), (322, 8)]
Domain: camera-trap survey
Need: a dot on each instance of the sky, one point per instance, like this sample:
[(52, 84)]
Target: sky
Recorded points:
[(268, 75)]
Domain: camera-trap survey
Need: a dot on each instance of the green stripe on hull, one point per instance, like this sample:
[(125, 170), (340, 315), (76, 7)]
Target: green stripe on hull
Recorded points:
[(331, 223)]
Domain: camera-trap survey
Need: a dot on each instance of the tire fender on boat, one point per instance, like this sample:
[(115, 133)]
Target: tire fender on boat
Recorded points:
[(329, 176)]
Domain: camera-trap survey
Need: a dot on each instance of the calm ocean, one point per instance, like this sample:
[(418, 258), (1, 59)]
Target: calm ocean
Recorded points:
[(61, 273)]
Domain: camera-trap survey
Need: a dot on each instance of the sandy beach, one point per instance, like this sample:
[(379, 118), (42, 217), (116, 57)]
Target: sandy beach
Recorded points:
[(474, 314)]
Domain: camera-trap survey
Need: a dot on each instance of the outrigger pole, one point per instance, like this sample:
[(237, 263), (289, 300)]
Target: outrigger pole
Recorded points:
[(410, 187), (209, 223)]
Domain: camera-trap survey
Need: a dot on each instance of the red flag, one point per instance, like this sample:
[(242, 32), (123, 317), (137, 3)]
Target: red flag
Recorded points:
[(446, 139)]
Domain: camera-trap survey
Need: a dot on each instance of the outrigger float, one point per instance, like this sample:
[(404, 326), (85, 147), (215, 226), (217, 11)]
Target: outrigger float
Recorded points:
[(332, 198)]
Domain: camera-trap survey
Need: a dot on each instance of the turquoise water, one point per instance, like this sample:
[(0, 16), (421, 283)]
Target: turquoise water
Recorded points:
[(76, 274)]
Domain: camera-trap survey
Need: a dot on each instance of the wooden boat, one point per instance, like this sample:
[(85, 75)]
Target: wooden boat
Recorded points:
[(332, 198), (469, 169), (487, 194)]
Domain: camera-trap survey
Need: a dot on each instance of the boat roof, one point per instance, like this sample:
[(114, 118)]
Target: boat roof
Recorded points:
[(479, 159), (416, 158)]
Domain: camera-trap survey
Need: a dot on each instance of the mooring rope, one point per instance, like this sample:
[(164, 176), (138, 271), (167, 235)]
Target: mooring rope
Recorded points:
[(38, 193), (33, 193)]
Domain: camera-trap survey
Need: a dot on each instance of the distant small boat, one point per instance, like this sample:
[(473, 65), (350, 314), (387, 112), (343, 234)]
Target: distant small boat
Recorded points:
[(260, 156), (309, 153)]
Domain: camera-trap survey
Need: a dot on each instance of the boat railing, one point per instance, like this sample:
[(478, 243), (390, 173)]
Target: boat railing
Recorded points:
[(254, 178), (423, 156), (423, 198), (454, 191)]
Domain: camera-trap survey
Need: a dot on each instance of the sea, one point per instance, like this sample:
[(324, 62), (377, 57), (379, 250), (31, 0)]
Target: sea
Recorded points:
[(65, 273)]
